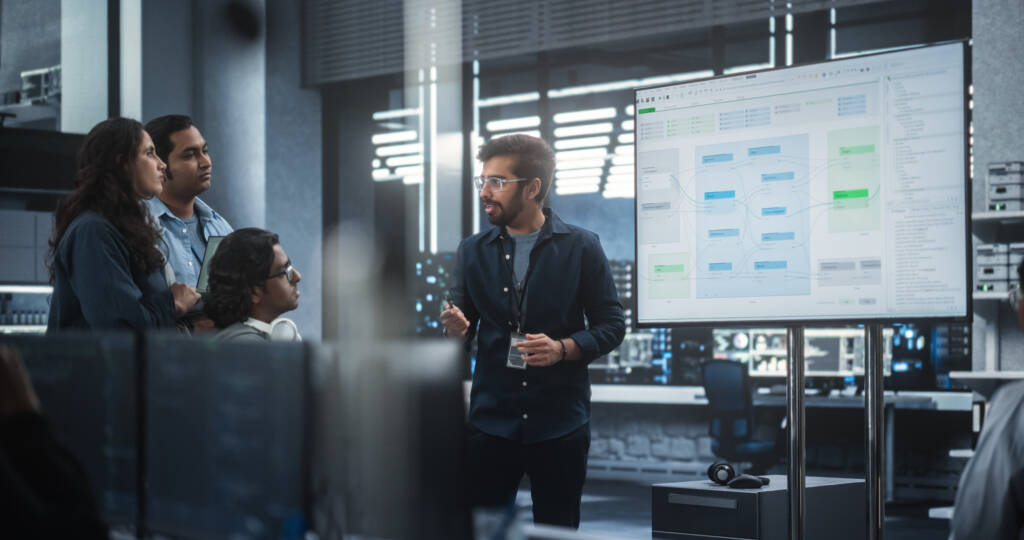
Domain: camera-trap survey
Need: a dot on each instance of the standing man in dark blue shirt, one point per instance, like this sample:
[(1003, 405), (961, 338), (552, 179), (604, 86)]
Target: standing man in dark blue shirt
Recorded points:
[(539, 297)]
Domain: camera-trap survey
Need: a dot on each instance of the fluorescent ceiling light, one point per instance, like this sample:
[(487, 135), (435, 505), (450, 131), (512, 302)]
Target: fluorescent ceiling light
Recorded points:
[(399, 149), (397, 136), (508, 100), (400, 113), (408, 180), (574, 190), (376, 163), (628, 125), (415, 170), (618, 194), (581, 154), (413, 159), (621, 169), (621, 180), (626, 138), (380, 175), (586, 129), (625, 149), (577, 173), (513, 123), (585, 142), (622, 160), (630, 110), (579, 164), (587, 181), (582, 116)]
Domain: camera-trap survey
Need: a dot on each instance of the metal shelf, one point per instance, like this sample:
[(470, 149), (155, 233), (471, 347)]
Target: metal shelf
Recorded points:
[(986, 296), (1006, 216)]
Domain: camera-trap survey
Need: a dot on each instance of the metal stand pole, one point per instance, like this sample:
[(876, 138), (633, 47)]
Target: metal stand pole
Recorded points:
[(874, 423), (795, 413)]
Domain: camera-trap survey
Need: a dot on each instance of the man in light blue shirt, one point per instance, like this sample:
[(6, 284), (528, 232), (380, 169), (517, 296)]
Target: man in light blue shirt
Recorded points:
[(186, 220)]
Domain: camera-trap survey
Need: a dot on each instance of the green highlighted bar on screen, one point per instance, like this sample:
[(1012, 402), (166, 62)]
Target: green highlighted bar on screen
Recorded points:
[(666, 268), (850, 194), (853, 150), (645, 111)]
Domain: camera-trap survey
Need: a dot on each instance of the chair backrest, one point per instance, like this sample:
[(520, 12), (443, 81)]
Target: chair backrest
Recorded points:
[(727, 387)]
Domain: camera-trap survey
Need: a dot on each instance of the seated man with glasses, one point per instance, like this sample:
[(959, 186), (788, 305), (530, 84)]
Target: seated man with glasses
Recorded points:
[(989, 502), (252, 283)]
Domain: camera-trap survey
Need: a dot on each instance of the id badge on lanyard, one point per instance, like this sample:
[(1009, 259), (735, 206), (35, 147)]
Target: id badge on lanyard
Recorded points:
[(515, 357)]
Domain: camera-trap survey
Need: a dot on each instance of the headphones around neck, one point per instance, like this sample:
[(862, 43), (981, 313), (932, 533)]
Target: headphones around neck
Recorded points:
[(722, 473), (283, 329)]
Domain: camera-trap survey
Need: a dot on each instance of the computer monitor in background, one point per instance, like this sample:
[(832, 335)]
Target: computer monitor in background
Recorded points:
[(823, 192), (828, 352), (225, 438), (86, 385), (915, 352), (764, 350)]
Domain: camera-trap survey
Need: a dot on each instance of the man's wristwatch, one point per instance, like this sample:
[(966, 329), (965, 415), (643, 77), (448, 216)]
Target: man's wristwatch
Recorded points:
[(562, 343)]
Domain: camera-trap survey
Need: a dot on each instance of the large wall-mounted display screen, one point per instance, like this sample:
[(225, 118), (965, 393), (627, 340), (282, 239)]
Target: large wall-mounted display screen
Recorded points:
[(825, 192)]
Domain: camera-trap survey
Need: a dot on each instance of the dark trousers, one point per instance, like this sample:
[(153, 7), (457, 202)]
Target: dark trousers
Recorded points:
[(557, 469)]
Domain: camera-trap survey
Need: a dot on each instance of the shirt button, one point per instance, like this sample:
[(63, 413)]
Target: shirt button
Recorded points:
[(525, 416), (506, 289), (507, 256), (524, 383), (184, 231), (190, 263)]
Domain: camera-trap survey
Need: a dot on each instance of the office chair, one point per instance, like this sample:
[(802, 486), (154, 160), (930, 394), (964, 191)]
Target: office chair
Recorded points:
[(731, 426)]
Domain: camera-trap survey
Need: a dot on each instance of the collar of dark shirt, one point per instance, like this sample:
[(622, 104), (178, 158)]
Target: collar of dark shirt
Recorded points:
[(552, 225)]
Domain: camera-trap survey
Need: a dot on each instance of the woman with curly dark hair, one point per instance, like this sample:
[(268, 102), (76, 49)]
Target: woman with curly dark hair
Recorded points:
[(252, 283), (106, 269)]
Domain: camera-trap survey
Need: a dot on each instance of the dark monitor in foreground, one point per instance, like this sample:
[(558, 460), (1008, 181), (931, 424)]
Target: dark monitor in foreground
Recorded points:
[(389, 424), (225, 436), (87, 391)]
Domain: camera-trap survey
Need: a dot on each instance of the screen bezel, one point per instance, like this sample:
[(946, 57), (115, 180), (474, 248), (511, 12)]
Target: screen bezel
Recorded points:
[(966, 317)]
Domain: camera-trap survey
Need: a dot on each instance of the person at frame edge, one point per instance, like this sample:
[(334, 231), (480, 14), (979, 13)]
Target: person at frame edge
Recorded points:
[(44, 491), (540, 280), (990, 496)]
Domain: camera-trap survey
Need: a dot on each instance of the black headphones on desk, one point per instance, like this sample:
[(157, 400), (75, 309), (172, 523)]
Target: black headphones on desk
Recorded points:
[(723, 474)]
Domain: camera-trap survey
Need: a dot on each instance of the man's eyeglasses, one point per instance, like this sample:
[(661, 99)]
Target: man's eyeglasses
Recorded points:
[(288, 272), (497, 183)]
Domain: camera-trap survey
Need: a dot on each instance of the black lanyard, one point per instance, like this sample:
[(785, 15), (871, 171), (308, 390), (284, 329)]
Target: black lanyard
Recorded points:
[(517, 304)]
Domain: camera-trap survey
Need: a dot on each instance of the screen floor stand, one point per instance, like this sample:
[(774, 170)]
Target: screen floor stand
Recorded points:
[(874, 425), (796, 480)]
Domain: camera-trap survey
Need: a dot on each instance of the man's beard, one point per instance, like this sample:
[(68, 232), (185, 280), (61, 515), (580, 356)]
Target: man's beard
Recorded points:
[(507, 214)]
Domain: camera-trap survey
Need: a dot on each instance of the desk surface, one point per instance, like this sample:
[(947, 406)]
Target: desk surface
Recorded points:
[(777, 482), (694, 395), (986, 382), (847, 402)]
